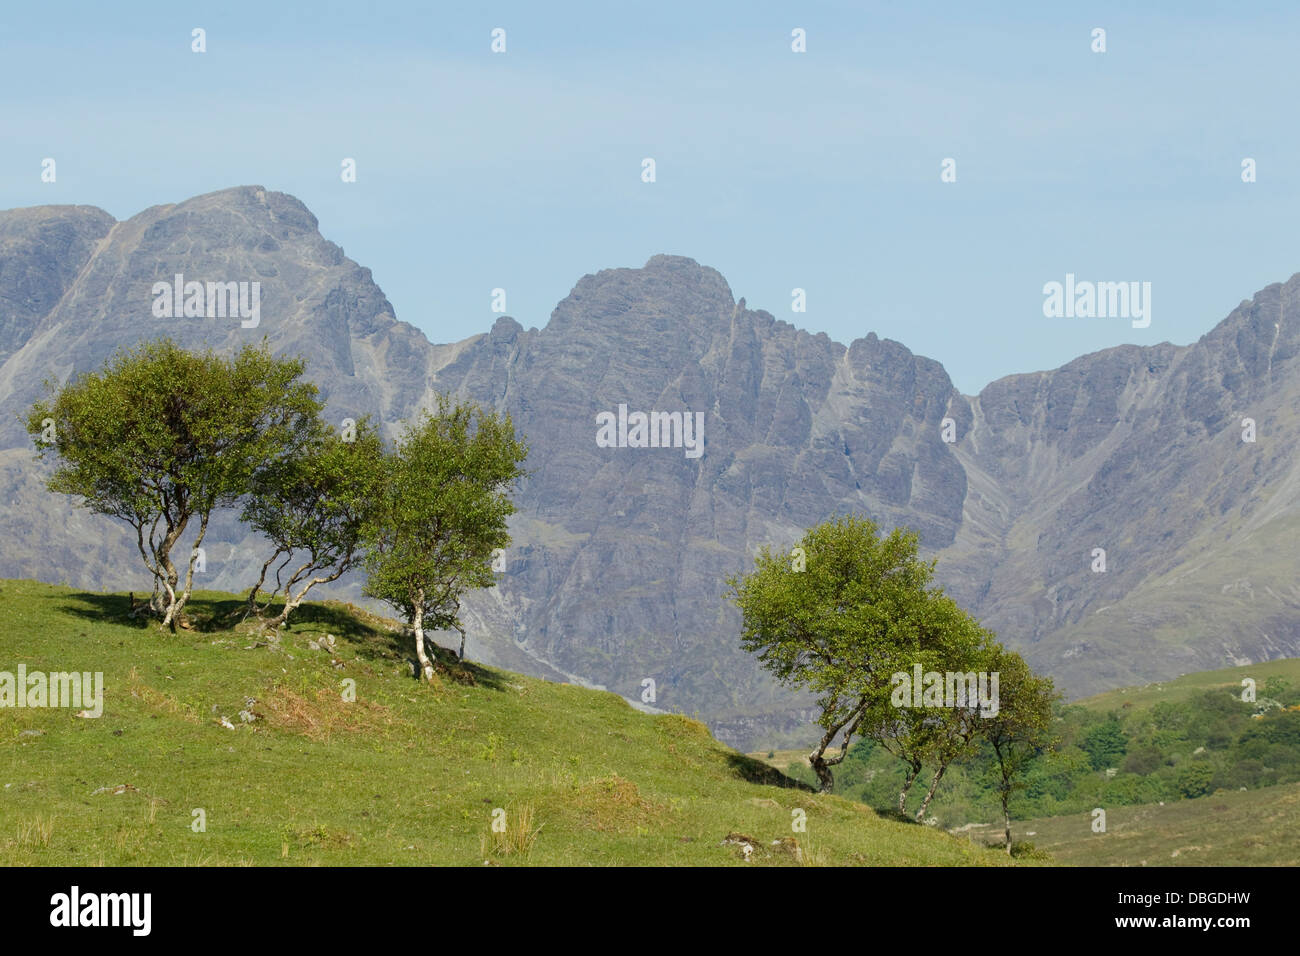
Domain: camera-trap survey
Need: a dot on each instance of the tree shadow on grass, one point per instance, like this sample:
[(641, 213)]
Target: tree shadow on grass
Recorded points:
[(892, 813), (373, 637), (380, 639), (755, 771), (109, 609), (372, 640), (466, 672), (203, 615)]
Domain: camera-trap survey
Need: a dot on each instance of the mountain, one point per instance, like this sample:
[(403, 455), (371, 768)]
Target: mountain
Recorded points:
[(619, 555), (1141, 452)]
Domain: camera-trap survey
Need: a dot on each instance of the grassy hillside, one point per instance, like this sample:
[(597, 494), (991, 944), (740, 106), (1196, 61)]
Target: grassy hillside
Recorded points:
[(1189, 685), (1226, 825), (406, 774), (1251, 828), (1228, 828)]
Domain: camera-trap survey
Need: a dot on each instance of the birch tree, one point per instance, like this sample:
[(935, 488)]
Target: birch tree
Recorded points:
[(836, 617), (440, 515), (313, 507), (1021, 729), (160, 437)]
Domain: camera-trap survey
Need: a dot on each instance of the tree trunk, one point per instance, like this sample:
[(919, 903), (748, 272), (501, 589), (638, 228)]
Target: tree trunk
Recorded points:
[(817, 759), (1005, 790), (293, 601), (170, 576), (913, 771), (178, 603), (934, 785), (155, 601), (462, 643), (282, 618), (417, 622), (169, 600), (261, 579), (1006, 819), (825, 779)]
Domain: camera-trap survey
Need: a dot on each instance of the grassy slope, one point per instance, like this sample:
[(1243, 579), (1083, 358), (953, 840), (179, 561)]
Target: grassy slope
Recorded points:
[(407, 774), (1189, 685), (1255, 828)]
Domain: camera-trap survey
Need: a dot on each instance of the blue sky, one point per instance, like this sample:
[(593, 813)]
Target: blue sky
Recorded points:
[(818, 170)]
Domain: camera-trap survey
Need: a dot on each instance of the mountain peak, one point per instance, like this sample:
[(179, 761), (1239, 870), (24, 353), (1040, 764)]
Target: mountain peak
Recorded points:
[(667, 293), (505, 329), (255, 202)]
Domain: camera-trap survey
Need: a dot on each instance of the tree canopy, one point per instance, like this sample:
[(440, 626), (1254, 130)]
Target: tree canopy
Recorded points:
[(162, 436), (837, 617), (441, 514), (314, 507), (853, 617)]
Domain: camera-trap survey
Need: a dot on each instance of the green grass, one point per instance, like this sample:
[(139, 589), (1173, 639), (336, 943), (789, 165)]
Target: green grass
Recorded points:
[(1189, 685), (1254, 828), (406, 774)]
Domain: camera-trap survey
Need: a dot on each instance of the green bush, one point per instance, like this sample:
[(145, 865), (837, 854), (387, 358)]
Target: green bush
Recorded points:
[(1194, 778), (1105, 744)]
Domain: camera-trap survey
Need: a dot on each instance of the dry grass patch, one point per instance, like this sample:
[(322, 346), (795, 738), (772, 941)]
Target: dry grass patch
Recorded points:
[(614, 804), (320, 837), (516, 838), (36, 833), (812, 856), (323, 713), (786, 850), (157, 700)]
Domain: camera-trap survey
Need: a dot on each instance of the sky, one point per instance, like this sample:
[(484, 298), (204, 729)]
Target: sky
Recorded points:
[(818, 170)]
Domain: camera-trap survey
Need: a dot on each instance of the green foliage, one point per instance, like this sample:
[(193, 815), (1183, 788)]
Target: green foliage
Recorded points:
[(834, 621), (1024, 850), (489, 751), (441, 513), (1105, 744), (1021, 729), (1194, 778), (1145, 760), (1169, 749), (837, 617), (313, 507), (1281, 689), (162, 436), (848, 615)]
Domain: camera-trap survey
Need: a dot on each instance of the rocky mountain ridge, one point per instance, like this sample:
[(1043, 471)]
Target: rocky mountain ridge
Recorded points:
[(616, 571)]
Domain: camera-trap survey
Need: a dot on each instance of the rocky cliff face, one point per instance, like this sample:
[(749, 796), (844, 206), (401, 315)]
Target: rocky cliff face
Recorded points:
[(1140, 452), (617, 569)]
